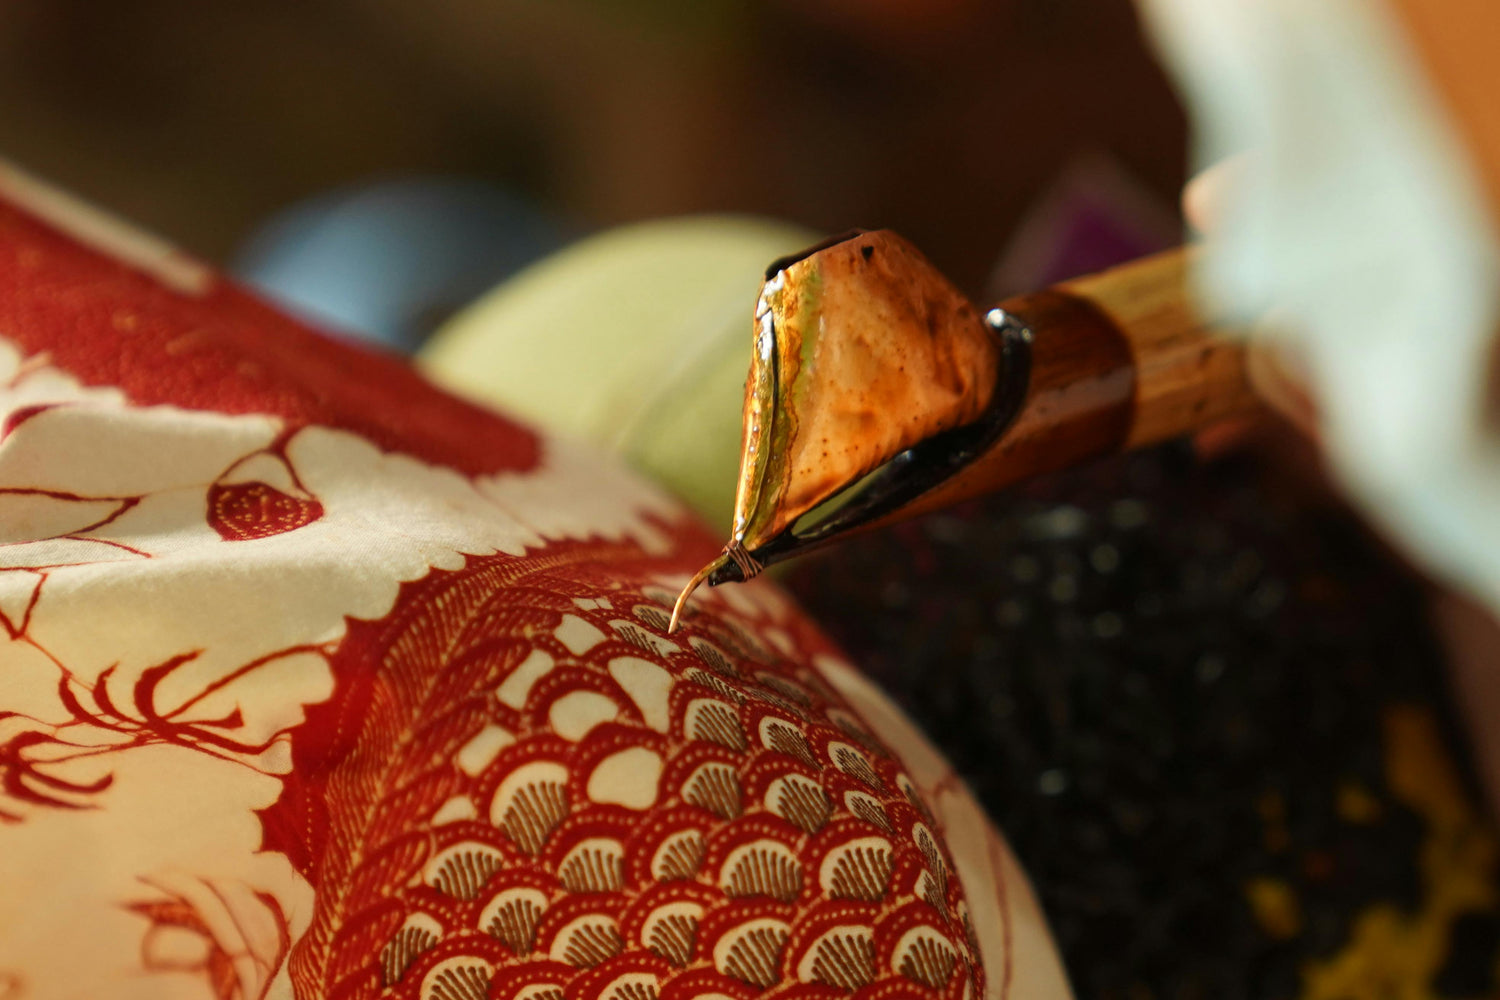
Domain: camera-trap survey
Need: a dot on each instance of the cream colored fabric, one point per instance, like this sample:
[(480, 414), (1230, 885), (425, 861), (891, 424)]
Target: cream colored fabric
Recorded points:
[(106, 604)]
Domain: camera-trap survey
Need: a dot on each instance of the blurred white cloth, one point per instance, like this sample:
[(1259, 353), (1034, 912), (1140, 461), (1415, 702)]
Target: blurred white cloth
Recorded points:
[(1360, 227)]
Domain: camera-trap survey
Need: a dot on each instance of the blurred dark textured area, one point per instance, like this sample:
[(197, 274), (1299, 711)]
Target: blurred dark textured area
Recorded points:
[(1209, 714)]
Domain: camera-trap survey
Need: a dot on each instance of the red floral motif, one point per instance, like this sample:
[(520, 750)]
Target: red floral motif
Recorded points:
[(180, 939), (15, 418), (30, 758), (147, 722), (34, 758), (25, 778), (241, 511), (244, 509)]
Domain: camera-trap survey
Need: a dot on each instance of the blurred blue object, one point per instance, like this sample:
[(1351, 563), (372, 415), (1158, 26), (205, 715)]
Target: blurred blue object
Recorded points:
[(390, 261)]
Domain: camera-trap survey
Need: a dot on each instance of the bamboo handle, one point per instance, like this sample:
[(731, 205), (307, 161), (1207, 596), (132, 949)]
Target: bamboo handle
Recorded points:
[(1188, 374), (1120, 359)]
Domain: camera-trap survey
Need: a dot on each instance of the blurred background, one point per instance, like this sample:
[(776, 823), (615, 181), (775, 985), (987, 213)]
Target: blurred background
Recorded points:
[(946, 120)]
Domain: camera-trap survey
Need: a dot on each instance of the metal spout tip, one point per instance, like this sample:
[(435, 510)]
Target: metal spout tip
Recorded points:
[(717, 572), (692, 585)]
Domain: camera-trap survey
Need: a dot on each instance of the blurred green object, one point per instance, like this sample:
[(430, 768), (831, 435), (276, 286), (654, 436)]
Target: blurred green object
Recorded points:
[(637, 339)]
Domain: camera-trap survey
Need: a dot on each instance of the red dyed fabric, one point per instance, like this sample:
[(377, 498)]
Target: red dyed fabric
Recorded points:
[(318, 682)]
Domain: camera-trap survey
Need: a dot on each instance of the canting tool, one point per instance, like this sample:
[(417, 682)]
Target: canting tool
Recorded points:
[(878, 392)]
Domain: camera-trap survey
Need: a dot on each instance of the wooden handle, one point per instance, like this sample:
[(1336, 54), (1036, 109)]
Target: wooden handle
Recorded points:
[(1188, 374), (1120, 359)]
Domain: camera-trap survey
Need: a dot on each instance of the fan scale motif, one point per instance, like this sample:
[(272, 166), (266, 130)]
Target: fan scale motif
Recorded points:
[(806, 887)]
